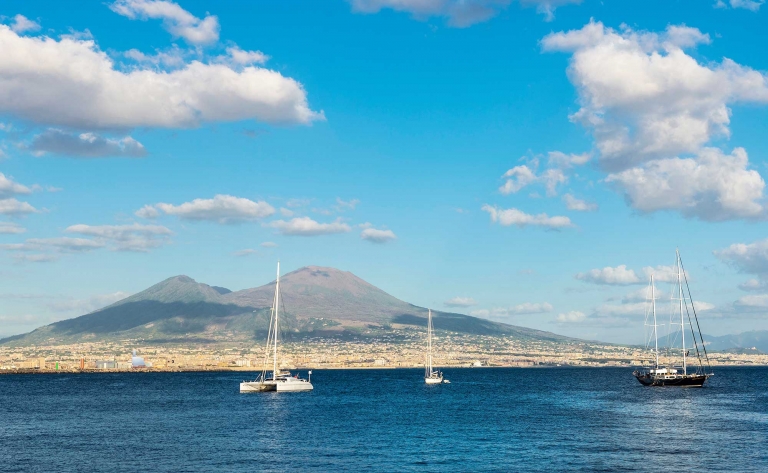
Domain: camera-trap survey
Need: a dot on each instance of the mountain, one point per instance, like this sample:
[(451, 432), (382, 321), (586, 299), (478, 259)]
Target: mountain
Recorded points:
[(314, 301), (756, 339)]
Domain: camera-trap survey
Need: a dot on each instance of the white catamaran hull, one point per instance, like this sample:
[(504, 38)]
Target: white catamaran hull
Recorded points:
[(290, 385)]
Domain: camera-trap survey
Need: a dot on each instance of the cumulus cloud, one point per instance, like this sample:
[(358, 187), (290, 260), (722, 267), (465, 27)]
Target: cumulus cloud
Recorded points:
[(85, 145), (713, 186), (15, 207), (64, 244), (10, 188), (343, 205), (521, 176), (755, 301), (644, 98), (133, 237), (70, 82), (662, 273), (224, 209), (572, 203), (520, 309), (752, 5), (746, 257), (88, 305), (562, 160), (22, 24), (754, 285), (305, 226), (177, 21), (458, 13), (572, 317), (268, 244), (618, 276), (377, 236), (507, 217), (460, 302), (246, 58), (10, 228)]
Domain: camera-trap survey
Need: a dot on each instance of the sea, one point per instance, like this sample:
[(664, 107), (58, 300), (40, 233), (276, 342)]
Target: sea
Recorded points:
[(487, 419)]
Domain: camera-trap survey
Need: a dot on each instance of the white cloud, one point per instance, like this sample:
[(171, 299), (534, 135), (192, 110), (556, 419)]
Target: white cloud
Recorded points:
[(748, 258), (85, 145), (268, 244), (507, 217), (572, 317), (72, 83), (223, 209), (133, 237), (754, 285), (305, 226), (561, 160), (618, 276), (91, 304), (65, 244), (22, 24), (377, 236), (9, 188), (572, 203), (460, 302), (246, 58), (15, 207), (35, 258), (458, 13), (246, 252), (148, 211), (752, 5), (177, 21), (753, 301), (644, 98), (630, 310), (9, 228), (520, 309), (713, 186), (342, 205), (662, 273), (517, 178), (286, 212), (172, 58)]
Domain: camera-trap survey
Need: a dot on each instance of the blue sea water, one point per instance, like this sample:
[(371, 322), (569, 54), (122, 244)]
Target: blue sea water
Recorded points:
[(491, 419)]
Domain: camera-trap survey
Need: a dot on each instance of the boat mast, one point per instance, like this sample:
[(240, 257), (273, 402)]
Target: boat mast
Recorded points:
[(429, 343), (277, 308), (682, 320), (655, 326)]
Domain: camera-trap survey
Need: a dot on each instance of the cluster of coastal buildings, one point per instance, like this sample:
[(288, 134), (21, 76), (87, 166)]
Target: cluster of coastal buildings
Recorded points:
[(456, 350)]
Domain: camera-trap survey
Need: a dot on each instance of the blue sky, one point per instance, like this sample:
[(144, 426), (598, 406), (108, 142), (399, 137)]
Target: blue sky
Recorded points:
[(530, 162)]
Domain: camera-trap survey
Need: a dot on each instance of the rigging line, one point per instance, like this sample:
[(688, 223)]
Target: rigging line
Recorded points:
[(695, 343), (703, 346)]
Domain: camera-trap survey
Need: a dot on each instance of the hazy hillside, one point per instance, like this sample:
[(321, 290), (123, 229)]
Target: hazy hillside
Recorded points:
[(315, 300), (757, 339)]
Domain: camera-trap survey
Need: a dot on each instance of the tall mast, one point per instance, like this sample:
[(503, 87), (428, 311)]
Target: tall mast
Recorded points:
[(655, 327), (277, 309), (429, 343), (682, 321)]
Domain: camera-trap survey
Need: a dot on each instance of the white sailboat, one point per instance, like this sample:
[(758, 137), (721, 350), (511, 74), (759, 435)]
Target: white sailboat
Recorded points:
[(431, 376), (670, 374), (277, 380)]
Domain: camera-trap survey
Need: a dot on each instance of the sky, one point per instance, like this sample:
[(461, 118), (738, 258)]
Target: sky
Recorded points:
[(531, 162)]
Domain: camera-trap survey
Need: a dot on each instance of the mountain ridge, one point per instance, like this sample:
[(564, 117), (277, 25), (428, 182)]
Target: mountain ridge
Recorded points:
[(315, 300)]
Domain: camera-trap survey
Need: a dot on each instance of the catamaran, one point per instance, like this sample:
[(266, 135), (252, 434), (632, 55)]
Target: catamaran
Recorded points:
[(431, 376), (668, 374), (277, 380)]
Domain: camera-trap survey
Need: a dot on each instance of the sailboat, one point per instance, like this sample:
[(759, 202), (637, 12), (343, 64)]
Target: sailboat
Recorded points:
[(431, 376), (277, 380), (669, 374)]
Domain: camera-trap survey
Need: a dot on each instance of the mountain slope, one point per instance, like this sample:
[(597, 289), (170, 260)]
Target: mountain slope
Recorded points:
[(315, 300)]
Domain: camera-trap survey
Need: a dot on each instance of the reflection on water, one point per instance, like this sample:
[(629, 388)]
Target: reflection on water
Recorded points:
[(385, 420)]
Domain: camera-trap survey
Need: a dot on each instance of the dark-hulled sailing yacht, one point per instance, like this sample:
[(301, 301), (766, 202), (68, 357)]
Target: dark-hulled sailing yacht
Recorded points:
[(669, 374)]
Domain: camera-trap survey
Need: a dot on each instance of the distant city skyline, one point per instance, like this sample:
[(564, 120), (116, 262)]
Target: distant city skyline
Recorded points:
[(527, 162)]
